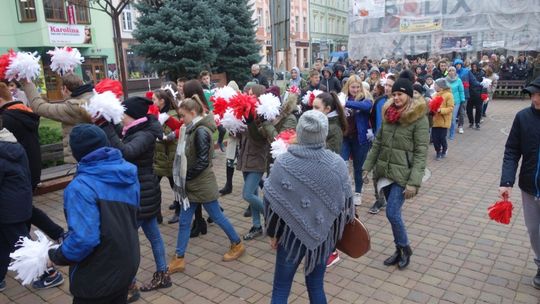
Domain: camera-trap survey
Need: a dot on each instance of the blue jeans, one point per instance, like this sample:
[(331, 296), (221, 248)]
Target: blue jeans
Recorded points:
[(214, 211), (394, 200), (351, 147), (284, 275), (150, 228), (452, 131), (250, 193)]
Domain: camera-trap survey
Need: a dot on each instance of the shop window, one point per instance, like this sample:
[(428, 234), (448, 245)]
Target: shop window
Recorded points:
[(26, 10), (137, 66), (55, 10)]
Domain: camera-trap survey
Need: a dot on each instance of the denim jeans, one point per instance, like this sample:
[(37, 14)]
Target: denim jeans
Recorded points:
[(394, 200), (214, 211), (150, 228), (452, 130), (250, 193), (284, 275), (351, 147)]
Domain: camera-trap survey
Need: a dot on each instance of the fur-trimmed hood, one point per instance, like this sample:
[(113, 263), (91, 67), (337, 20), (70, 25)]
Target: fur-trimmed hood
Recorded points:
[(414, 112)]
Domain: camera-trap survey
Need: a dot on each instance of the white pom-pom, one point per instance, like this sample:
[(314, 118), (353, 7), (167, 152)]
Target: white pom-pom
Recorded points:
[(278, 147), (65, 60), (231, 123), (226, 93), (309, 96), (25, 65), (342, 98), (486, 83), (30, 258), (268, 106), (163, 118), (317, 92), (105, 105)]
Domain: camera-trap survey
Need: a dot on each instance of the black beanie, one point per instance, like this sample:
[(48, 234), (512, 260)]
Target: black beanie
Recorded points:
[(419, 88), (86, 138), (136, 107), (403, 85), (408, 74)]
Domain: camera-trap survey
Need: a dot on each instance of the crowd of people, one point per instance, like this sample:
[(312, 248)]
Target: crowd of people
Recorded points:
[(379, 115)]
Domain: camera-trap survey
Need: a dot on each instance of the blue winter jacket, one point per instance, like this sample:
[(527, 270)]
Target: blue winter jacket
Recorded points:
[(378, 107), (361, 111), (102, 243), (468, 79), (457, 90)]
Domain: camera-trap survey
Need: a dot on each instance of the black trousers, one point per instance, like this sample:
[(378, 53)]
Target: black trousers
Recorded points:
[(475, 103), (439, 139), (120, 298), (44, 223), (9, 235), (221, 133)]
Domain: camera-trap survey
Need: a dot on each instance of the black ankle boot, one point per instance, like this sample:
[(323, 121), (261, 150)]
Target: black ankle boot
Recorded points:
[(394, 258), (174, 205), (195, 229), (228, 185), (405, 257), (536, 280)]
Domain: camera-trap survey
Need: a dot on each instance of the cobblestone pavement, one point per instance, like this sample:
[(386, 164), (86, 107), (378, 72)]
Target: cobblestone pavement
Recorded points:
[(460, 256)]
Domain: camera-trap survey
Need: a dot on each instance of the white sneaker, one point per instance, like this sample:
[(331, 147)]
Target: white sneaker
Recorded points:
[(460, 131), (357, 199)]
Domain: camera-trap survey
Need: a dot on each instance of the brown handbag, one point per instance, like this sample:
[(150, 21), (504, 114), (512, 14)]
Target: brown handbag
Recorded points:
[(355, 241)]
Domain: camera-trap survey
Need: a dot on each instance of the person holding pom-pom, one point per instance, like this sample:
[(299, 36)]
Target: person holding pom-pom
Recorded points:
[(523, 143), (442, 117), (16, 194), (102, 244)]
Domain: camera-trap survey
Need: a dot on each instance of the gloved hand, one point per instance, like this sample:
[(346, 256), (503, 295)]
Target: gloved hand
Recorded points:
[(370, 136), (365, 177), (410, 192)]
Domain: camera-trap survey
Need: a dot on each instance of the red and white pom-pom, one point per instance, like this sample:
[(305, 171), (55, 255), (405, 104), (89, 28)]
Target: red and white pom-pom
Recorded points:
[(226, 93), (24, 65), (163, 117), (342, 98), (153, 110), (231, 123), (435, 104), (5, 60), (310, 97), (294, 90), (149, 95), (486, 83), (30, 259), (244, 106), (65, 60), (282, 142), (268, 106), (110, 85), (105, 105)]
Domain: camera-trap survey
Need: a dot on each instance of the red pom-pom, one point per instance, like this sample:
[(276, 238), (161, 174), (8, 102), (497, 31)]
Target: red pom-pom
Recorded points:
[(501, 211), (287, 135), (435, 104), (244, 106), (294, 90), (153, 110), (484, 96), (311, 99), (220, 105), (149, 95), (107, 84), (5, 61)]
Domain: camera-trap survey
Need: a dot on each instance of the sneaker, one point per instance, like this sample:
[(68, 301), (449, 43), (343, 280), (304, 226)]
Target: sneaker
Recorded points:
[(376, 208), (482, 121), (235, 252), (247, 213), (477, 126), (161, 279), (439, 156), (444, 154), (357, 198), (51, 278), (253, 233), (460, 131), (333, 259), (3, 285), (133, 293)]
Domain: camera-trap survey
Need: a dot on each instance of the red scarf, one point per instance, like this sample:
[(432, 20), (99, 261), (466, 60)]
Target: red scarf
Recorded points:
[(393, 114)]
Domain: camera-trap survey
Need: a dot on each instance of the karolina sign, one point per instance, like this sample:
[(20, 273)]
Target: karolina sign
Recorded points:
[(61, 34)]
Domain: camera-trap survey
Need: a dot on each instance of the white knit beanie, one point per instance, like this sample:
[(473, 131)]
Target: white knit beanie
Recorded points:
[(312, 128)]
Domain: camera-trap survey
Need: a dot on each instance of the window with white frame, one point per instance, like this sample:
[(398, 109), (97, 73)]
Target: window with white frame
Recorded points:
[(260, 18), (127, 18)]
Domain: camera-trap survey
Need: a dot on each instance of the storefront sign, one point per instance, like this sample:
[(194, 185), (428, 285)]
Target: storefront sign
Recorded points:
[(65, 34), (410, 25)]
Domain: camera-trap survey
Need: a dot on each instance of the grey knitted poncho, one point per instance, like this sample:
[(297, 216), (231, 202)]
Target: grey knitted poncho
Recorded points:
[(309, 189)]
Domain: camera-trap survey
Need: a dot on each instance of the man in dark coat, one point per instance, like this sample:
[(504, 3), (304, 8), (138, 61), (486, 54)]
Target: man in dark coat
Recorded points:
[(258, 77), (330, 81)]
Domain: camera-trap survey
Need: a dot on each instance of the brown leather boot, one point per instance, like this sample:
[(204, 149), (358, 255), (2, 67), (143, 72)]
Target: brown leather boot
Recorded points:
[(177, 264), (236, 251)]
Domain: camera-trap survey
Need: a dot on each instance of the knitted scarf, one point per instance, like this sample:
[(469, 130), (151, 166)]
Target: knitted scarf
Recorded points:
[(310, 191), (180, 170), (393, 114)]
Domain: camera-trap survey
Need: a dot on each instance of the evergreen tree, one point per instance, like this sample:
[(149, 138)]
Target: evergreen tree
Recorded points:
[(241, 51), (180, 37)]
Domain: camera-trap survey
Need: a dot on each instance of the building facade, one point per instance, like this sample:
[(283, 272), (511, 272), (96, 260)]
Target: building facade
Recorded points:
[(40, 25), (298, 53), (329, 27)]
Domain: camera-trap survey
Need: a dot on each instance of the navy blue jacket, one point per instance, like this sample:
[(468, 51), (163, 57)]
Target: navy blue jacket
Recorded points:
[(523, 143), (15, 185), (102, 243), (361, 111)]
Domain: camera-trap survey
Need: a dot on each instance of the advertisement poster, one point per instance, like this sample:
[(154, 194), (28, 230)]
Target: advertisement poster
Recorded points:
[(63, 34), (369, 8), (410, 25), (463, 43)]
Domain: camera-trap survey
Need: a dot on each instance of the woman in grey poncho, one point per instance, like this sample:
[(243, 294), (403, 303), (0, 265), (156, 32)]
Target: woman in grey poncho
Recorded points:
[(308, 200)]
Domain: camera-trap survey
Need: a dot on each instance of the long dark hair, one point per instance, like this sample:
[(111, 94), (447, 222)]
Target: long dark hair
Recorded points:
[(167, 96), (331, 100), (193, 87)]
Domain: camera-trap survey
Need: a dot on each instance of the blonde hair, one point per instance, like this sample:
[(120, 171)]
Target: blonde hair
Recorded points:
[(193, 104), (362, 93)]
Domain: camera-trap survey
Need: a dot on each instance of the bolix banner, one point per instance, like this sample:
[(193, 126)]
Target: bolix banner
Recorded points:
[(394, 28)]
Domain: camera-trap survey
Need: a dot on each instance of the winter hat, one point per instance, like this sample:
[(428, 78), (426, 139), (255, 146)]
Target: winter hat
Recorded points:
[(403, 85), (86, 138), (137, 107), (407, 74), (312, 128), (419, 88), (233, 85), (442, 83)]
